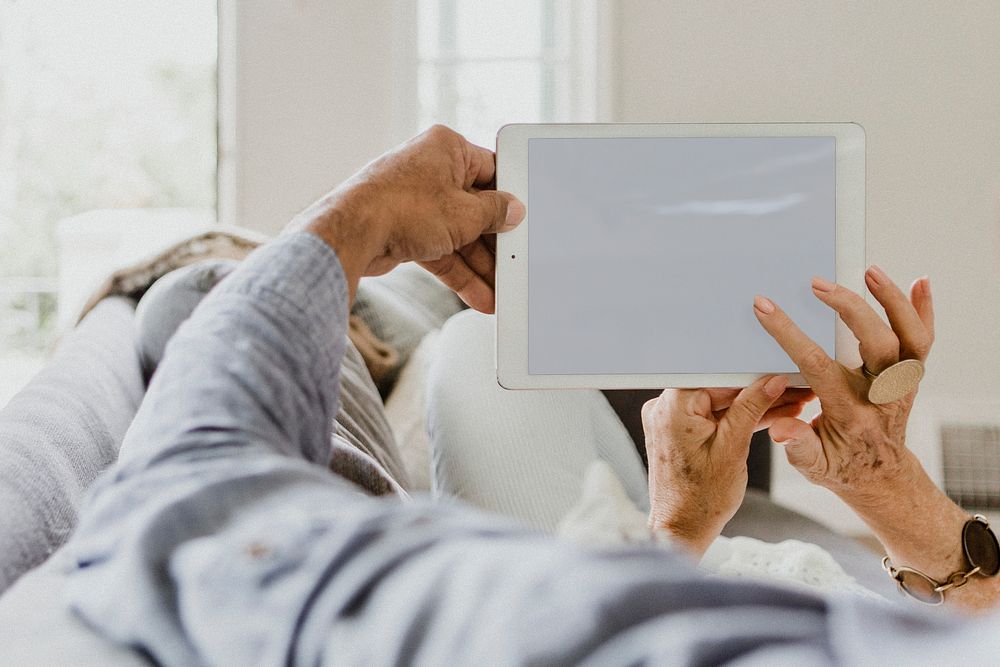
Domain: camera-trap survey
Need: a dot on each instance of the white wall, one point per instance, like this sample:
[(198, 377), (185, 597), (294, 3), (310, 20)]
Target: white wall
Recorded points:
[(307, 92), (923, 78)]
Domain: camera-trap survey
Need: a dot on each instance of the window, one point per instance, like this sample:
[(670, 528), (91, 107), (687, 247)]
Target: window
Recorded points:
[(103, 104), (483, 64)]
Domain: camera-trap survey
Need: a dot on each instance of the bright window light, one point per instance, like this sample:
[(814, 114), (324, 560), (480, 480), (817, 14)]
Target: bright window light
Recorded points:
[(103, 104), (484, 64)]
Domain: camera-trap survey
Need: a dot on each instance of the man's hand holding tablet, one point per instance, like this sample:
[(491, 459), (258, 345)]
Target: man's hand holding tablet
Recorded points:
[(431, 200)]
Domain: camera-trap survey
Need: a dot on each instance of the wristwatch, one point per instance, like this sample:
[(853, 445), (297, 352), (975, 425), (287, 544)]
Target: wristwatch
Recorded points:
[(982, 557)]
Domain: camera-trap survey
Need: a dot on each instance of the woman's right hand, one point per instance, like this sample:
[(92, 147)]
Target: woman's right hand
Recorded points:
[(858, 449), (854, 447)]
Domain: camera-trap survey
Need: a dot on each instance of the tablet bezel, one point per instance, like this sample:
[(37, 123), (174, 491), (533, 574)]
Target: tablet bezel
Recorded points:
[(512, 247)]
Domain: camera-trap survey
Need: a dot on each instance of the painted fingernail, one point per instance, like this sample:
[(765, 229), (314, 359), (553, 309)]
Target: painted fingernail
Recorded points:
[(822, 285), (878, 275), (763, 304), (775, 386), (515, 214)]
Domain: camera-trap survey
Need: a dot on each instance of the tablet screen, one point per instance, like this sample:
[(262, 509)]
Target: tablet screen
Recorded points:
[(644, 254)]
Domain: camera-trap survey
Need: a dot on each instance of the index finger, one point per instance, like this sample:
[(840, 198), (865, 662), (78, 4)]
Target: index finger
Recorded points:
[(722, 397), (455, 273), (816, 366), (480, 167)]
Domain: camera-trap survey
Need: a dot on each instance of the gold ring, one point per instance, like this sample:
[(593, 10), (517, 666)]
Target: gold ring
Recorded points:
[(895, 382)]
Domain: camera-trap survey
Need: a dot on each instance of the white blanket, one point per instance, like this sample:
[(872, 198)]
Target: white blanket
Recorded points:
[(606, 517)]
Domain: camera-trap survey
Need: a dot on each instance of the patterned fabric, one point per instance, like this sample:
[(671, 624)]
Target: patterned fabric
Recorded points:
[(203, 260), (133, 281)]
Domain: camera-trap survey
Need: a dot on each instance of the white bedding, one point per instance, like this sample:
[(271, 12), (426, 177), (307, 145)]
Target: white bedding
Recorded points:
[(605, 517)]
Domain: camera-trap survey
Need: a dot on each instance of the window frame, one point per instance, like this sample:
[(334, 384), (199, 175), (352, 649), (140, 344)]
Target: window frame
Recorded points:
[(589, 57)]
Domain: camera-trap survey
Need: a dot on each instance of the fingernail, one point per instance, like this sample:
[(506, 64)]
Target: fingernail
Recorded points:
[(763, 304), (775, 386), (783, 443), (925, 282), (515, 214), (878, 275), (822, 285)]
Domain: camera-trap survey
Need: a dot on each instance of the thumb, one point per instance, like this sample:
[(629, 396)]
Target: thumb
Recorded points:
[(802, 445), (749, 407), (500, 211)]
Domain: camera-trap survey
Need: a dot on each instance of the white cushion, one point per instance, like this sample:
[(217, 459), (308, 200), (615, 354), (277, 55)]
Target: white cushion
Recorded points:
[(406, 412)]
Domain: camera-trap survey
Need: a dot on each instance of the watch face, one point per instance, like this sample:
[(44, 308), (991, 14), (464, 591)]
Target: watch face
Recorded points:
[(981, 548)]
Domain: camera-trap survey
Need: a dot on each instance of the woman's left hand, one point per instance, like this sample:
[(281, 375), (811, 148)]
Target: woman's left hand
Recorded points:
[(697, 443)]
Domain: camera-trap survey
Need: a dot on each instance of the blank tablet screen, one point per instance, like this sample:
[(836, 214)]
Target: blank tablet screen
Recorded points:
[(644, 254)]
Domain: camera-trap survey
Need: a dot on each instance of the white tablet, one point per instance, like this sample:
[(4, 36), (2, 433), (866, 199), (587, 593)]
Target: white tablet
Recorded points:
[(644, 246)]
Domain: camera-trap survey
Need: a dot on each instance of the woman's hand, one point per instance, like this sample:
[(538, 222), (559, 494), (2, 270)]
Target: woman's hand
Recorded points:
[(858, 449), (697, 442), (854, 447)]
